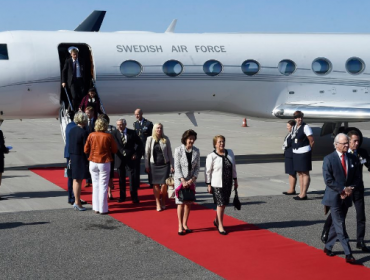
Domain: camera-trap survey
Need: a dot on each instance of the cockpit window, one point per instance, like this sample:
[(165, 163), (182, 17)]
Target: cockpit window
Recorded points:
[(4, 52)]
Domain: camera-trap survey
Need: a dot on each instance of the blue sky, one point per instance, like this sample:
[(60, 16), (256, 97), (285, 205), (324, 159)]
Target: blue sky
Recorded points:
[(193, 16)]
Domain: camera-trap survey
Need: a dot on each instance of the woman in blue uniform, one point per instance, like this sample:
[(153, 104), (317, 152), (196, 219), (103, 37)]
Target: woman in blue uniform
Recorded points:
[(302, 143), (288, 155)]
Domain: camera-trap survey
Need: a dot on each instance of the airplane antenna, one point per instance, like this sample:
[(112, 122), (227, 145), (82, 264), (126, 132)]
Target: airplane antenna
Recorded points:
[(92, 23), (171, 27)]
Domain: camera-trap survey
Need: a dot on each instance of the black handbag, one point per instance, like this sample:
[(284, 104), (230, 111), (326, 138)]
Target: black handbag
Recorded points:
[(186, 194), (236, 201)]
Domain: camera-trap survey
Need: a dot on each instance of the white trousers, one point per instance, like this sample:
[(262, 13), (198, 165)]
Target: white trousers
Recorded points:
[(100, 178)]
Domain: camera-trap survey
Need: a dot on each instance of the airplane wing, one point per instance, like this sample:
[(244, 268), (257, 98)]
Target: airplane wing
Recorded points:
[(325, 111), (92, 23)]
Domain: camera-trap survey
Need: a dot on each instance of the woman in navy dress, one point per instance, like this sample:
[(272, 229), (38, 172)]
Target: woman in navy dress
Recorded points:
[(79, 163), (288, 155), (3, 150), (302, 143)]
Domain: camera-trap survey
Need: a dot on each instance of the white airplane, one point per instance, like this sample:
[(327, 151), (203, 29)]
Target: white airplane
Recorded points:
[(257, 75)]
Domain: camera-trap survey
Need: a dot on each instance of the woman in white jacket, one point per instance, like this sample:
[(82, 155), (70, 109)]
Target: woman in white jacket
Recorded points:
[(158, 163), (220, 172), (187, 163)]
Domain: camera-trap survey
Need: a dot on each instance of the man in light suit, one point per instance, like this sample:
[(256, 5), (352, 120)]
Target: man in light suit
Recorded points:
[(341, 172), (129, 147)]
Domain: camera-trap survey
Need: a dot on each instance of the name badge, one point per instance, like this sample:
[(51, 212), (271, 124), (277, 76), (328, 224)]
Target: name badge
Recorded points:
[(363, 161), (296, 141)]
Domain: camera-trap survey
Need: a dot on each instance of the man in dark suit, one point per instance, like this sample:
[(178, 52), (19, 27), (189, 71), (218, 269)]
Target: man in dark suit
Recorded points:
[(144, 129), (129, 147), (72, 124), (341, 172), (73, 77), (358, 194)]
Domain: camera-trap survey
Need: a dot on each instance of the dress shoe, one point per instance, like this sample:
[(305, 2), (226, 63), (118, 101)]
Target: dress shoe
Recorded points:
[(324, 236), (83, 202), (329, 252), (300, 198), (121, 200), (290, 193), (76, 207), (222, 232), (215, 223), (350, 259), (181, 233), (159, 209), (361, 245), (188, 230)]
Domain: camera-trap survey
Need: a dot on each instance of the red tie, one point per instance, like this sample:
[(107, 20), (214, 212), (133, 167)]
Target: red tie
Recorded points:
[(344, 164)]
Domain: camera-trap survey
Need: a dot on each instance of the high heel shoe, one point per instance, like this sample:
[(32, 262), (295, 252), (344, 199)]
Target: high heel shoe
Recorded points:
[(221, 232), (187, 230), (76, 207), (181, 232), (215, 223)]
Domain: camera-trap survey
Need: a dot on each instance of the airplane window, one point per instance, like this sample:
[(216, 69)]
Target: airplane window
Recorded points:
[(286, 67), (212, 67), (3, 52), (321, 66), (355, 65), (172, 68), (250, 67), (131, 68)]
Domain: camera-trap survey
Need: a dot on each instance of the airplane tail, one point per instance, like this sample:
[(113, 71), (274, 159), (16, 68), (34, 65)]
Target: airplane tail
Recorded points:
[(92, 23)]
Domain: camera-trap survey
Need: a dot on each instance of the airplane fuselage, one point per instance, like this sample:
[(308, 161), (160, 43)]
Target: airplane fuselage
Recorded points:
[(30, 80)]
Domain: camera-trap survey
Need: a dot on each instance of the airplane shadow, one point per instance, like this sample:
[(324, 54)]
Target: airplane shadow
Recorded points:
[(18, 224)]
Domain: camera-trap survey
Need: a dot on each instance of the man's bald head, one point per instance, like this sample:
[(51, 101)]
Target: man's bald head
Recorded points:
[(139, 114)]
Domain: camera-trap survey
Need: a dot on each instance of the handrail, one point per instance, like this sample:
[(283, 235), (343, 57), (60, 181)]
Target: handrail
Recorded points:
[(101, 103), (69, 101)]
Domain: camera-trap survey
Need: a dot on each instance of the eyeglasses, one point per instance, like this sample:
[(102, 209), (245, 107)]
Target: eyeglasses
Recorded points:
[(344, 144)]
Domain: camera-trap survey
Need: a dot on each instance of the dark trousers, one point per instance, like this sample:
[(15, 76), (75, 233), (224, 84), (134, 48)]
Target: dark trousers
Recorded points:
[(137, 170), (77, 91), (71, 195), (130, 167), (359, 202), (338, 229)]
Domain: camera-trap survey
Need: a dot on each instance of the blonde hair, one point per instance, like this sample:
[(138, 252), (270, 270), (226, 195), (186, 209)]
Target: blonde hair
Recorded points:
[(215, 139), (163, 139), (101, 125), (80, 118)]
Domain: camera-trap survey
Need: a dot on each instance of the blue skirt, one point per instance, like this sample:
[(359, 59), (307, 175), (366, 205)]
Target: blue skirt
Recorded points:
[(302, 162), (289, 167)]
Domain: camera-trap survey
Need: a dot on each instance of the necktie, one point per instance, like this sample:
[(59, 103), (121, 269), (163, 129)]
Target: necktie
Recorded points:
[(74, 69), (123, 142), (344, 164)]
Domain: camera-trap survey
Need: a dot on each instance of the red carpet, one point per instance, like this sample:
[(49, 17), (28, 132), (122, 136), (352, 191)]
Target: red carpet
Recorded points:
[(247, 252)]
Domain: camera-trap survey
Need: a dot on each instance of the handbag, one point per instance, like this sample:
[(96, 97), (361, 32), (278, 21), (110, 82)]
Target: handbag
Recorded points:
[(186, 194), (170, 181), (68, 171), (236, 201)]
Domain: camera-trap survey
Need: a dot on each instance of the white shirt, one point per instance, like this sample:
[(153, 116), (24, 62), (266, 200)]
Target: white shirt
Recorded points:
[(78, 70), (308, 131)]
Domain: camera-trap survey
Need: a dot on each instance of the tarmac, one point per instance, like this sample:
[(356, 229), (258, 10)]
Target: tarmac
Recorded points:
[(41, 234)]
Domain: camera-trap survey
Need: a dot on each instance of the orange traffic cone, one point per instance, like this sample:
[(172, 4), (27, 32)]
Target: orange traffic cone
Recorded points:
[(244, 123)]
